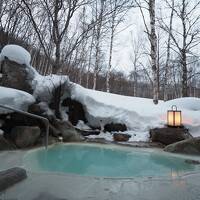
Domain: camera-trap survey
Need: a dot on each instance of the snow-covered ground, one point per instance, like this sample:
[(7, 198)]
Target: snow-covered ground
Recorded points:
[(14, 98), (139, 114)]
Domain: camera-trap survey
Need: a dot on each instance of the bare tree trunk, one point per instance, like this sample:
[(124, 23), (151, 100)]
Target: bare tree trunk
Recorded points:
[(1, 5), (89, 63), (165, 89), (183, 53), (184, 90), (110, 60), (135, 80), (111, 46), (153, 42), (97, 47)]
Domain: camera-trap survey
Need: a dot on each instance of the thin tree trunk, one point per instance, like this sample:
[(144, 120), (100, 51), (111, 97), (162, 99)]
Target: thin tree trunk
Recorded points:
[(184, 75), (56, 65), (110, 60), (153, 41), (111, 47), (165, 89), (183, 54), (89, 64), (98, 32)]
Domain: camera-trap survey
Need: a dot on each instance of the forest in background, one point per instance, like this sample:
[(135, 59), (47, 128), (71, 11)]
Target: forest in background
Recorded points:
[(77, 37)]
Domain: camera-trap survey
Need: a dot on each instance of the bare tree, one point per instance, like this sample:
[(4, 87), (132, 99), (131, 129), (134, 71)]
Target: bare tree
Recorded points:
[(118, 8), (151, 32), (58, 14), (186, 38), (136, 55)]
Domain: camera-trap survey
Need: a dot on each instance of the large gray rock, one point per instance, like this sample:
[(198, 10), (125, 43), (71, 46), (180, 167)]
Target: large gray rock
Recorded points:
[(76, 110), (67, 131), (5, 144), (17, 76), (120, 137), (168, 135), (25, 136), (51, 140), (189, 146), (116, 127), (11, 176)]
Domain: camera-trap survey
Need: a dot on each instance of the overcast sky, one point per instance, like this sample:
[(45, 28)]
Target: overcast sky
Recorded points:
[(123, 41)]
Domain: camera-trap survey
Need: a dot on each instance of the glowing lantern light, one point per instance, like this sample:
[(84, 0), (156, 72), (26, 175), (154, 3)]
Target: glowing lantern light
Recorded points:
[(174, 118)]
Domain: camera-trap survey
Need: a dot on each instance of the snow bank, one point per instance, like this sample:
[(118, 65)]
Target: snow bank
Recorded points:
[(139, 114), (189, 103), (14, 98), (44, 85), (16, 53)]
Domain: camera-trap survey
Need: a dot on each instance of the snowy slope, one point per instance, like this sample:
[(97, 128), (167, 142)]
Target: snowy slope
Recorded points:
[(15, 98), (139, 114)]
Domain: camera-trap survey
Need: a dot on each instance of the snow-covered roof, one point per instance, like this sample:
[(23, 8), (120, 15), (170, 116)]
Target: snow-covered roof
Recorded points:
[(16, 53), (14, 98)]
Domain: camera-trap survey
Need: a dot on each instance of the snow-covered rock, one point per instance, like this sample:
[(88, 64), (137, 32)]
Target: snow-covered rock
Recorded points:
[(44, 86), (16, 53), (25, 77), (14, 98)]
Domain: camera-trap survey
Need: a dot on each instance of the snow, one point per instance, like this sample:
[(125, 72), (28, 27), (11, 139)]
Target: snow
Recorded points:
[(43, 85), (139, 114), (14, 98), (16, 53), (82, 125)]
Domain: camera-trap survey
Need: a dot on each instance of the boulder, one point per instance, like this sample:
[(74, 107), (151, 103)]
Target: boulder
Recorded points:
[(67, 131), (121, 137), (189, 146), (51, 140), (88, 132), (11, 176), (192, 162), (25, 136), (168, 135), (36, 109), (16, 119), (6, 144), (17, 76), (54, 131), (75, 110), (115, 127)]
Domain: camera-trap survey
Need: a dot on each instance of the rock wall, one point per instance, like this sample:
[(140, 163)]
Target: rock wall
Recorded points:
[(16, 76)]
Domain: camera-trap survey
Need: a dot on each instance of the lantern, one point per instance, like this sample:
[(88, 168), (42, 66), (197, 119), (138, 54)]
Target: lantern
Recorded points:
[(174, 118)]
